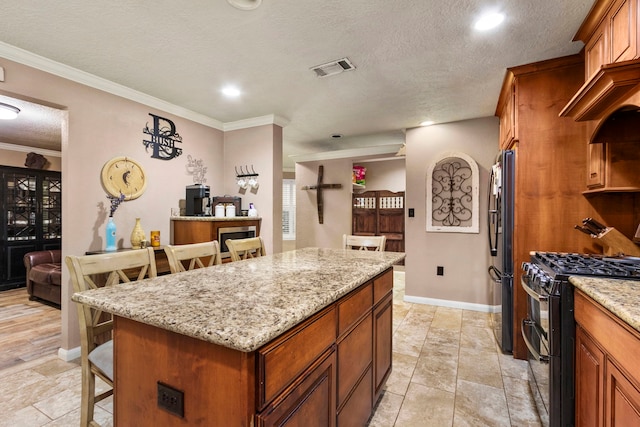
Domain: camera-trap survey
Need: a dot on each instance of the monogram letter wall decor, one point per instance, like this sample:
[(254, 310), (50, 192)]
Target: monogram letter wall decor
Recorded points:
[(163, 138)]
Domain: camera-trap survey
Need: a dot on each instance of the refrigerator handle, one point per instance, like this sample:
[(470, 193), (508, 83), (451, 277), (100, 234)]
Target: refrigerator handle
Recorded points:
[(495, 274), (492, 219)]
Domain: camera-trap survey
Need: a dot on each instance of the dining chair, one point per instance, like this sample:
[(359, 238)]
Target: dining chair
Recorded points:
[(96, 344), (240, 249), (364, 243), (194, 253)]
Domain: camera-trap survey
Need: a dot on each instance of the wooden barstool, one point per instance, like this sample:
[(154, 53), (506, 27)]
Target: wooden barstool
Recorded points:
[(364, 243), (240, 249), (194, 253)]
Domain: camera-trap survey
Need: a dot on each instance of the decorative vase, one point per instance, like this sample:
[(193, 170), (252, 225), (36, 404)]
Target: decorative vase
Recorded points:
[(111, 235), (137, 235)]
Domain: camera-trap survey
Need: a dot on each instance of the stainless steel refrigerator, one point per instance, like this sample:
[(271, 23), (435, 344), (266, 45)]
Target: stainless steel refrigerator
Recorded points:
[(500, 222)]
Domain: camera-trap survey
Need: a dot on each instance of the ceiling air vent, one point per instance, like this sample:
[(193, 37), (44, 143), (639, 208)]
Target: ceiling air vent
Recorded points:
[(333, 67)]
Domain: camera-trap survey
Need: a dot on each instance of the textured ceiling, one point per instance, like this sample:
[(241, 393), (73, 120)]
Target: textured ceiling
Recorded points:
[(415, 59)]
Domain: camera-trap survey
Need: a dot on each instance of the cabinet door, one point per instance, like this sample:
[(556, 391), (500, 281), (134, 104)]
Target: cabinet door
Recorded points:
[(595, 166), (623, 24), (382, 351), (623, 399), (312, 403), (596, 52), (508, 120), (589, 381)]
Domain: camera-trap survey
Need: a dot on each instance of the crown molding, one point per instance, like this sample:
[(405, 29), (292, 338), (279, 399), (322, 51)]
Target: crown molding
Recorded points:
[(27, 149), (270, 119), (61, 70)]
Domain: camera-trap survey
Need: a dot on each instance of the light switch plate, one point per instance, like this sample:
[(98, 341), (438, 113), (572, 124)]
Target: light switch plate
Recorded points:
[(1, 74)]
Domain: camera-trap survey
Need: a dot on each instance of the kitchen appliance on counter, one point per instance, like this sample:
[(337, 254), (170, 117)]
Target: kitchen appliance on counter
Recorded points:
[(500, 224), (197, 200), (549, 329)]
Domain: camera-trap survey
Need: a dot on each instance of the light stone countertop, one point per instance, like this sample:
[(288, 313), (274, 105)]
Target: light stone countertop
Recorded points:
[(245, 304), (620, 297), (215, 218)]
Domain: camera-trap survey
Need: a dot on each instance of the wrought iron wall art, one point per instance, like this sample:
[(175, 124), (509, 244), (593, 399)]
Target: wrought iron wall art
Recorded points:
[(163, 138), (196, 168), (452, 194), (247, 179)]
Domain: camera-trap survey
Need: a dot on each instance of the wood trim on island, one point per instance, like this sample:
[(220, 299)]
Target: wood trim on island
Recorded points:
[(318, 370)]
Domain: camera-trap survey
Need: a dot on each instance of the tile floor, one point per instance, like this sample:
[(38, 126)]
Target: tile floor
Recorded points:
[(447, 371)]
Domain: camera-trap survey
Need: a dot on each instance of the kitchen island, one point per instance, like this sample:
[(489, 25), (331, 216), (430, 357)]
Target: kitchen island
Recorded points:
[(302, 335), (607, 353)]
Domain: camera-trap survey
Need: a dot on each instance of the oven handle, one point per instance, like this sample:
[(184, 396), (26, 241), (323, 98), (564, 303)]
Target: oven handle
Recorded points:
[(526, 323), (534, 294)]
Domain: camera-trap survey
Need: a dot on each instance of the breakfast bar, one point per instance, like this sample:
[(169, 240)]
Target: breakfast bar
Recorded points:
[(300, 335)]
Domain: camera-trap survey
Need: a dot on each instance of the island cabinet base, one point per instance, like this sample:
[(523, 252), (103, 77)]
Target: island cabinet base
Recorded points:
[(329, 370)]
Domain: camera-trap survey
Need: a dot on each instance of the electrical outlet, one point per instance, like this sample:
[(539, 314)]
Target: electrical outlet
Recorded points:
[(440, 270), (171, 399), (412, 212)]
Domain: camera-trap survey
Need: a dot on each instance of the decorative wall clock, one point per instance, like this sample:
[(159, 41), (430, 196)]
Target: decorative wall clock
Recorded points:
[(124, 175)]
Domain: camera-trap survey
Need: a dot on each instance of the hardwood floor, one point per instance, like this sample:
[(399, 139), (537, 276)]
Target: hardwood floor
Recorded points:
[(28, 329)]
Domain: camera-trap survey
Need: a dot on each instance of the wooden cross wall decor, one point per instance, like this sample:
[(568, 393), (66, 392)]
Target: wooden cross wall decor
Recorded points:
[(319, 187)]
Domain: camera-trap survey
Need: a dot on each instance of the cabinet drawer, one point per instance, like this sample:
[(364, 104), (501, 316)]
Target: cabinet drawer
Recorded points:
[(382, 285), (355, 353), (282, 361), (354, 307)]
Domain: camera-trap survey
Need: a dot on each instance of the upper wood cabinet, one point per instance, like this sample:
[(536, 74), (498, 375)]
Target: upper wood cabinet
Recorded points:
[(610, 34)]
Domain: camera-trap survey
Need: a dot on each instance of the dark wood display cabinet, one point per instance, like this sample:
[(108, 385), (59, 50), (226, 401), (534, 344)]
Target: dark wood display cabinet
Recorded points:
[(31, 219)]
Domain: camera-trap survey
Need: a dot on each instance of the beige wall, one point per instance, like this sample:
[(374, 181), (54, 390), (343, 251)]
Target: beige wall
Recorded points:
[(337, 204), (385, 174), (260, 147), (16, 157), (463, 256), (101, 126)]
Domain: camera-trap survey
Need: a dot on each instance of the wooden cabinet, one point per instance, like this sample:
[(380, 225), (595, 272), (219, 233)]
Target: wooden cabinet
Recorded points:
[(318, 373), (589, 381), (550, 166), (613, 167), (610, 34), (30, 219), (607, 367)]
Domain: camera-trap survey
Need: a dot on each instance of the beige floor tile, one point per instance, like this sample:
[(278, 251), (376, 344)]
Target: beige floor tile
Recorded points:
[(448, 318), (480, 367), (409, 338), (437, 367), (59, 404), (480, 405), (401, 371), (511, 367), (522, 409), (55, 366), (437, 337), (426, 406), (477, 338), (475, 318), (386, 410), (25, 417)]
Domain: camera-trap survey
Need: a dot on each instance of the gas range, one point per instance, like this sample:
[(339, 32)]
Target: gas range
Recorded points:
[(548, 268)]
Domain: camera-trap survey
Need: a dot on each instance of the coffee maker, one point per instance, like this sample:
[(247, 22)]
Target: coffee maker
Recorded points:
[(197, 200)]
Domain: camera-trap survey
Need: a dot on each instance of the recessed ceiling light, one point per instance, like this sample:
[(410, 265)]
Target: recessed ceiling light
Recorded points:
[(231, 91), (426, 123), (8, 112), (245, 4), (489, 21)]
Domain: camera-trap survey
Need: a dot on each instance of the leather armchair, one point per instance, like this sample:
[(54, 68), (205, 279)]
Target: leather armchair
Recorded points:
[(44, 274)]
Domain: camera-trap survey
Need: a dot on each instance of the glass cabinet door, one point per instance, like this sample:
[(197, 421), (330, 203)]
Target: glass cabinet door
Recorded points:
[(51, 207), (21, 206)]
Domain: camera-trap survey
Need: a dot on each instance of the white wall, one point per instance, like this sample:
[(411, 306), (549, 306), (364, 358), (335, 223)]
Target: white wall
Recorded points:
[(463, 256)]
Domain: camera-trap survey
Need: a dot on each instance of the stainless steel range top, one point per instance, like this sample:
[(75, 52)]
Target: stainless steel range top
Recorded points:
[(571, 264)]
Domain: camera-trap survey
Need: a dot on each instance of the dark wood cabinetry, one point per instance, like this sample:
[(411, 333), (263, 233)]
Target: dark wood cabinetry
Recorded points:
[(30, 219), (607, 373)]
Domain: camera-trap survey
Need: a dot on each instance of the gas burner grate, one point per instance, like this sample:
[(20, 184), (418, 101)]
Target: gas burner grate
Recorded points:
[(590, 265)]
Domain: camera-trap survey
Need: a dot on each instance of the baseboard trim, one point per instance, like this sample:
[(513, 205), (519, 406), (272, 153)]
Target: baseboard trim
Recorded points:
[(69, 355), (453, 304)]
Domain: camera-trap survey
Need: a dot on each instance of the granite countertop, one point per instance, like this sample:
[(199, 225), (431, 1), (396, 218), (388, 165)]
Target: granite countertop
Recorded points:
[(215, 218), (245, 304), (620, 297)]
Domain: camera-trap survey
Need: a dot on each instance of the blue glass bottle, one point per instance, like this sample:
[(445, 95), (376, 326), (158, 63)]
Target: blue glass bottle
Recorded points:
[(111, 235)]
